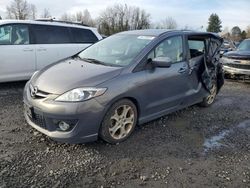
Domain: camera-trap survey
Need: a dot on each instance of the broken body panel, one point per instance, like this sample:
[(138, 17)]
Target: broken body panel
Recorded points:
[(210, 68)]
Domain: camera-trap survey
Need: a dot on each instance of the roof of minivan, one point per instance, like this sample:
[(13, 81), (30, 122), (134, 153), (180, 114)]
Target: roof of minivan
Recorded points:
[(43, 23), (158, 32)]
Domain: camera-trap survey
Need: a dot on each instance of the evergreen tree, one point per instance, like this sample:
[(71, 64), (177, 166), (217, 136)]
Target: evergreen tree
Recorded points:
[(243, 34), (214, 24)]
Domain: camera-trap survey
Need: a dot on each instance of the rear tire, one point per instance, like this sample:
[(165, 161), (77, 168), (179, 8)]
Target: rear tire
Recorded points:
[(119, 122), (209, 100)]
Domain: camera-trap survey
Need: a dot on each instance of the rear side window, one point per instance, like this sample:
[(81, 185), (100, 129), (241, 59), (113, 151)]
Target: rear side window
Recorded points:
[(45, 34), (83, 36), (196, 47), (17, 34)]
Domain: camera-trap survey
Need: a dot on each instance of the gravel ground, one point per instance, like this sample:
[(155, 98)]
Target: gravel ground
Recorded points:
[(194, 147)]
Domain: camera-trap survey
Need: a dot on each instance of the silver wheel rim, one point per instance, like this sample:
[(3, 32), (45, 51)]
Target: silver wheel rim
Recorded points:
[(121, 122), (211, 97)]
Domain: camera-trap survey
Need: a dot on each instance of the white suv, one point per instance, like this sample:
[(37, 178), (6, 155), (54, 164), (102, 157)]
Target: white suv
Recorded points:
[(27, 46)]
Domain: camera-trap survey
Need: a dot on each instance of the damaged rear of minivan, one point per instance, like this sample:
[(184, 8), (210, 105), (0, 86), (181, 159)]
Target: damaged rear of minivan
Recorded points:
[(204, 58)]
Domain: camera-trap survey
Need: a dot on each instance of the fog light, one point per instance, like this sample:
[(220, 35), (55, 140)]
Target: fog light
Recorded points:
[(63, 125)]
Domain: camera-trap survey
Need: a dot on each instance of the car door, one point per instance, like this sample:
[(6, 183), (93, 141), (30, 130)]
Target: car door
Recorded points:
[(167, 87), (16, 52), (46, 49), (53, 43), (196, 47), (83, 37)]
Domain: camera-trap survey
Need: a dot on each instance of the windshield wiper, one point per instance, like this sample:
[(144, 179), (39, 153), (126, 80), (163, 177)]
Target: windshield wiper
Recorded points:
[(91, 60)]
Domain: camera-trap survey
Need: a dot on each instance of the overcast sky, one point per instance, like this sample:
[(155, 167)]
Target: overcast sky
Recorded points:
[(193, 13)]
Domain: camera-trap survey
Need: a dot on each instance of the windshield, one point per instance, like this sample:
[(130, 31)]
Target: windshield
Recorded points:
[(244, 45), (117, 50)]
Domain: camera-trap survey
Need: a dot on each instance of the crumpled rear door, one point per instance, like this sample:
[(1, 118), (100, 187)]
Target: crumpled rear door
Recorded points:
[(212, 67)]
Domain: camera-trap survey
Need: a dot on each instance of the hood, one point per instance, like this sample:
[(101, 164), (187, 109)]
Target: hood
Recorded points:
[(72, 73), (245, 55)]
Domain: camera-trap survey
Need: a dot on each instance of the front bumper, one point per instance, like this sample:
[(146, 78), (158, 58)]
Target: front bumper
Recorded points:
[(235, 71), (87, 117)]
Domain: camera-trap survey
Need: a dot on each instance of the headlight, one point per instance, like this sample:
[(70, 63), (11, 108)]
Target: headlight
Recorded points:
[(80, 94)]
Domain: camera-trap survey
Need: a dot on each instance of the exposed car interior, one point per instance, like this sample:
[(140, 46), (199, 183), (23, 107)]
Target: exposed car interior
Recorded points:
[(21, 35), (204, 58)]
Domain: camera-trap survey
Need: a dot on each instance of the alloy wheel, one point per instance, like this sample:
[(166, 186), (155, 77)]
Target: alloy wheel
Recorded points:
[(121, 122), (211, 97)]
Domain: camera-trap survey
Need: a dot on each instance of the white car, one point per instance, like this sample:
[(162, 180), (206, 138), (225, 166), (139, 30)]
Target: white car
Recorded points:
[(27, 46)]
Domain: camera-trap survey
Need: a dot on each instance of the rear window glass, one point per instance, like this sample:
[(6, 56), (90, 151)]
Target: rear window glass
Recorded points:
[(196, 47), (83, 35), (51, 34)]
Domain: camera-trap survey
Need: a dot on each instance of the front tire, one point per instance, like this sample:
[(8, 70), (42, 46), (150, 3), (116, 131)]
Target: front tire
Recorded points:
[(119, 122)]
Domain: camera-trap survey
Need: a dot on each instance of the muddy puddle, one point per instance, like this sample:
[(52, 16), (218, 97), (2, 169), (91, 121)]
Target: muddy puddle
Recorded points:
[(219, 140)]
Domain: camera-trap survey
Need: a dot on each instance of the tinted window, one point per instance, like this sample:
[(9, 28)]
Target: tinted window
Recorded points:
[(83, 35), (45, 34), (14, 35), (171, 48)]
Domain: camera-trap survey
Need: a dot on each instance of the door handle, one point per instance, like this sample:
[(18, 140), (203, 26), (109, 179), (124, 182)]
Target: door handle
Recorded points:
[(41, 49), (182, 70), (28, 50)]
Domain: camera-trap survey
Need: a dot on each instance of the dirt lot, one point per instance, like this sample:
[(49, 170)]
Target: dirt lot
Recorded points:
[(195, 147)]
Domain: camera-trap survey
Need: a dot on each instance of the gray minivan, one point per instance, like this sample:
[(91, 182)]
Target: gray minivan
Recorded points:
[(126, 79)]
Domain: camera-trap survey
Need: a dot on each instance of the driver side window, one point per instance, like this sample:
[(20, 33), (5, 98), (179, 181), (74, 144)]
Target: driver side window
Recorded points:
[(17, 34), (171, 47)]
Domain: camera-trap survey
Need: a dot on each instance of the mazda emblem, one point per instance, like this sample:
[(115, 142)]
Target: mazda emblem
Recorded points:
[(33, 91)]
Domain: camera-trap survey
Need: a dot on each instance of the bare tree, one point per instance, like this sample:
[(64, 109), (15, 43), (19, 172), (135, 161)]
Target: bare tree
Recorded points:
[(225, 33), (84, 17), (46, 13), (122, 17), (18, 9), (79, 16), (87, 19), (67, 17), (248, 32), (167, 23), (33, 11)]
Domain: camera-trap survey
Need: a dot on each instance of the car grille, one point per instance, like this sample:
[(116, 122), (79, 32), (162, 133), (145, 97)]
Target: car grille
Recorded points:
[(38, 120), (37, 94), (238, 66)]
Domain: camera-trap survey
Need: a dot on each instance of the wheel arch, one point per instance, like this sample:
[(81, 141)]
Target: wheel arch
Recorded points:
[(132, 99), (115, 100)]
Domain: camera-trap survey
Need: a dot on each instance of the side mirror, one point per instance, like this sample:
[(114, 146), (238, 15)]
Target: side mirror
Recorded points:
[(162, 62)]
